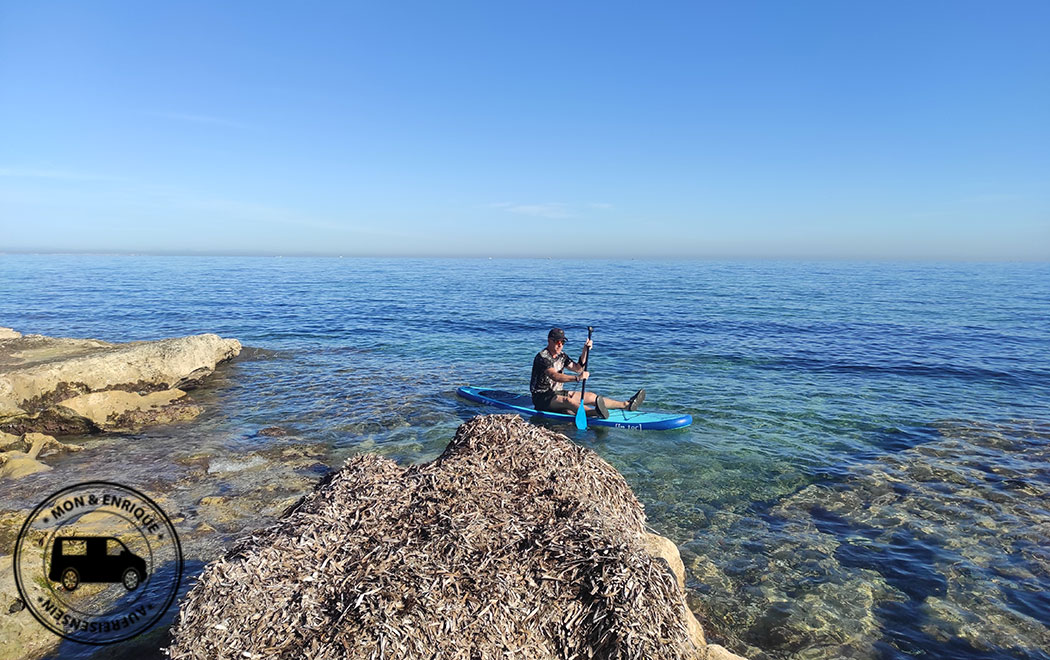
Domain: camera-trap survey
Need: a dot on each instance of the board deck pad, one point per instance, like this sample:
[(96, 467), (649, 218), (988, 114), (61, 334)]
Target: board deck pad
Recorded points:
[(621, 419)]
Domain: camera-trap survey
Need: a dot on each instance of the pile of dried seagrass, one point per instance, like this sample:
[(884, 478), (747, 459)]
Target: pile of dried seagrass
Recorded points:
[(514, 543)]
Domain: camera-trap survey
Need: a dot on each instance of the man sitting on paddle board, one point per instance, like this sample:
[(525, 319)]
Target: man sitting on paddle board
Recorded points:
[(548, 381)]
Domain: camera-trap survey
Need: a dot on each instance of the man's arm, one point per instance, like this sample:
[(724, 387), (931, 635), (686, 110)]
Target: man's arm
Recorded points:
[(559, 377), (583, 354)]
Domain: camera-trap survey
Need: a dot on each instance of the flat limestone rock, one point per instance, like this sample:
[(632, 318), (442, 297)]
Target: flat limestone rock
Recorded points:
[(40, 376), (514, 543), (10, 441), (117, 410), (29, 350)]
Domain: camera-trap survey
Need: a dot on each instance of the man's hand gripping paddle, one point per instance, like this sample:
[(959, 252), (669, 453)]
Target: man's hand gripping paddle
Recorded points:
[(581, 413)]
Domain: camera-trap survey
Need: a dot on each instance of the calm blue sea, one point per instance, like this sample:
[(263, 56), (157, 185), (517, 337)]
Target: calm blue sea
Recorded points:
[(867, 474)]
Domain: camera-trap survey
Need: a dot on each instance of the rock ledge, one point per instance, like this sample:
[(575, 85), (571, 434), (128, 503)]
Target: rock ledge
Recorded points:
[(72, 386)]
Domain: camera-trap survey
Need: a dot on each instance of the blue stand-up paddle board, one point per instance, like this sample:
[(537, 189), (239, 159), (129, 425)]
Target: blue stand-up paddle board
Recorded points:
[(621, 419)]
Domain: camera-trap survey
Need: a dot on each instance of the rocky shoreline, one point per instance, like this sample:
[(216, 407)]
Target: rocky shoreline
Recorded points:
[(57, 386), (84, 387), (505, 505)]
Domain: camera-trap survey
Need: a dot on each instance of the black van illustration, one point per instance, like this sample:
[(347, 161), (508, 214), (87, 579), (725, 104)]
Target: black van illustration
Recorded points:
[(76, 559)]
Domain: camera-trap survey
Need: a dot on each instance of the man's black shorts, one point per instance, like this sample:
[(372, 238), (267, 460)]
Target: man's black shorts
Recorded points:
[(542, 400)]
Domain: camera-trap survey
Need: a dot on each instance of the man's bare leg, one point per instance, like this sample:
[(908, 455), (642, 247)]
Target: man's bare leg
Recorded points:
[(591, 397), (569, 403), (573, 402)]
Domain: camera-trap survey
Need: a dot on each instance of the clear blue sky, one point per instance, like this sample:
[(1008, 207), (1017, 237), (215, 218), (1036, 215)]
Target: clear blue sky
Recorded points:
[(899, 129)]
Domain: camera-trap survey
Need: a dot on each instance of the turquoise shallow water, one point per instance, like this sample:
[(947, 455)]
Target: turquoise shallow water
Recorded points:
[(866, 476)]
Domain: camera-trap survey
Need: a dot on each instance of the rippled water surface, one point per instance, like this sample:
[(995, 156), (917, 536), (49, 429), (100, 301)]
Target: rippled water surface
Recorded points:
[(867, 475)]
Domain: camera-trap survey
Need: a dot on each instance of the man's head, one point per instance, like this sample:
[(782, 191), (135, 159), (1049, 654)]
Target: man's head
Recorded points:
[(555, 339)]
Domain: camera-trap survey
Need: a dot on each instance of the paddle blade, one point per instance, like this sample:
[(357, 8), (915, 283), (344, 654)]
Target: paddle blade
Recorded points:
[(581, 418)]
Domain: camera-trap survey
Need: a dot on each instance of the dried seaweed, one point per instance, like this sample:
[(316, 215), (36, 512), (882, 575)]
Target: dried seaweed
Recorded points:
[(515, 543)]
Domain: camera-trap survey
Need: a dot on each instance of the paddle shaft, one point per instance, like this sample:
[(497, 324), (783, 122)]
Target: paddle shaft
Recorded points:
[(583, 388), (581, 412)]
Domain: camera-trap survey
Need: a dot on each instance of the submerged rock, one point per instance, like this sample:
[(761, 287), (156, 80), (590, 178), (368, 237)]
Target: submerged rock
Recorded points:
[(64, 386), (17, 464), (940, 550), (275, 432), (514, 543), (18, 457), (39, 444)]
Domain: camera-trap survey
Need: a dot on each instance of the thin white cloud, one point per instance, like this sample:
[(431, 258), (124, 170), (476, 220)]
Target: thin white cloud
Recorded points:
[(553, 210)]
